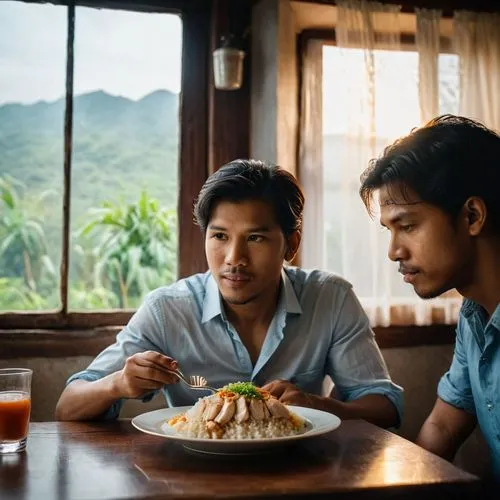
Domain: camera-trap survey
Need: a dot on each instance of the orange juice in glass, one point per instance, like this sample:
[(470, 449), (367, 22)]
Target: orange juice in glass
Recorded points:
[(15, 407)]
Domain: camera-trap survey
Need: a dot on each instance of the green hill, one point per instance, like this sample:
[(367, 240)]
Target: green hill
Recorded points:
[(119, 147)]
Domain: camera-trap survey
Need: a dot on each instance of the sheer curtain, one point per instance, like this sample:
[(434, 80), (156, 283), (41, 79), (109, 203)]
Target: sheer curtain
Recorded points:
[(477, 43), (361, 28), (373, 92), (427, 40), (311, 149)]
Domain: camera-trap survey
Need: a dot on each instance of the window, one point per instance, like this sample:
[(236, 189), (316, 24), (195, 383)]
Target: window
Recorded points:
[(397, 111), (91, 128), (31, 154), (355, 126)]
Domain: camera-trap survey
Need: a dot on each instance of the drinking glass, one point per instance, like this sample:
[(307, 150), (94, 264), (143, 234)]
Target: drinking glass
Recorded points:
[(15, 407)]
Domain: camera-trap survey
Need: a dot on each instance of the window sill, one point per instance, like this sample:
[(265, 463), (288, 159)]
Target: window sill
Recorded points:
[(414, 336), (55, 343), (67, 343)]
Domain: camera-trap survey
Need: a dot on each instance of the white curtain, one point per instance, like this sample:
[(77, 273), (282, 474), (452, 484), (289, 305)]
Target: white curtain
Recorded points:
[(311, 150), (373, 92), (477, 43), (362, 27), (427, 40)]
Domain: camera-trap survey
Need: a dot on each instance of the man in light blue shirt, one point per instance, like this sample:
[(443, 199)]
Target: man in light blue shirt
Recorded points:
[(439, 197), (248, 318)]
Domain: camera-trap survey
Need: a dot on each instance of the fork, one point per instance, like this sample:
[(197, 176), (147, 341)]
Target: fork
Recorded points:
[(196, 382)]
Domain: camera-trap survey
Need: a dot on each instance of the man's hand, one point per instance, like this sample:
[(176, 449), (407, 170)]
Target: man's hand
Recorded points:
[(289, 393), (144, 372), (374, 408)]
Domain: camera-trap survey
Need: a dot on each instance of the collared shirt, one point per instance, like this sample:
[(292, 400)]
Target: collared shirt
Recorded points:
[(473, 380), (319, 329)]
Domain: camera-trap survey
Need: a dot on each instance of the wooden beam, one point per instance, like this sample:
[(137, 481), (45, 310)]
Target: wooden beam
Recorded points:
[(229, 129), (68, 143), (193, 165)]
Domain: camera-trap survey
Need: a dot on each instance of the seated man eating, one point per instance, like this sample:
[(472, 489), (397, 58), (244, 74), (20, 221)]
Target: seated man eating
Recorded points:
[(249, 318)]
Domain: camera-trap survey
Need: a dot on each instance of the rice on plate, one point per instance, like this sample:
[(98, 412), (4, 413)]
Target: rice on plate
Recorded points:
[(238, 411)]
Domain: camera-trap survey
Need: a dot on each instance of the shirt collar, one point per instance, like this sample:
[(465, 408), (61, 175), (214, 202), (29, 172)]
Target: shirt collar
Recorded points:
[(212, 304), (495, 318), (470, 308), (292, 303)]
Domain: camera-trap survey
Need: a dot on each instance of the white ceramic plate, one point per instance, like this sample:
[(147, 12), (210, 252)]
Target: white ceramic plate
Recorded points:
[(155, 422)]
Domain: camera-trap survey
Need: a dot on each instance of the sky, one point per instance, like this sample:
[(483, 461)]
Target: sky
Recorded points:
[(129, 54)]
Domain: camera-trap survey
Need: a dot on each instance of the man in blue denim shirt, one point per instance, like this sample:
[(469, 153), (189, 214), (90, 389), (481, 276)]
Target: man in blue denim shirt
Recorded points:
[(248, 318), (439, 195)]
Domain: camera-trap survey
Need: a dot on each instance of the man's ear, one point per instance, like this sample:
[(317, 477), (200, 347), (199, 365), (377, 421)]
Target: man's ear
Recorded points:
[(293, 242), (475, 213)]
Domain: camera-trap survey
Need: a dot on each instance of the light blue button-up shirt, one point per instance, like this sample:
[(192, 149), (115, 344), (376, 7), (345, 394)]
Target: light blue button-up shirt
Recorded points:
[(319, 329), (473, 380)]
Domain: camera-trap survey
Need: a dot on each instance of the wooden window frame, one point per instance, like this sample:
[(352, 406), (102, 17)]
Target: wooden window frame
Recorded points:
[(192, 167)]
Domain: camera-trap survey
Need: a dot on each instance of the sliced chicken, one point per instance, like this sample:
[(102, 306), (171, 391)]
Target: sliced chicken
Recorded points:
[(226, 413), (197, 410), (267, 413), (277, 409), (213, 408), (242, 414), (214, 430), (257, 409)]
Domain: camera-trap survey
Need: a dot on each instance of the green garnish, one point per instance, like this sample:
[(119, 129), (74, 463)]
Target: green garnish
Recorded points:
[(246, 389)]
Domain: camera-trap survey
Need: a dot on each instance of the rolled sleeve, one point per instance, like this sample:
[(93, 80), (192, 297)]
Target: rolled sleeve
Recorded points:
[(135, 337), (113, 412), (454, 387), (355, 362)]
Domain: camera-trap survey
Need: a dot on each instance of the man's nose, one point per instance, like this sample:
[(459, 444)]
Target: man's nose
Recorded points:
[(396, 251), (237, 254)]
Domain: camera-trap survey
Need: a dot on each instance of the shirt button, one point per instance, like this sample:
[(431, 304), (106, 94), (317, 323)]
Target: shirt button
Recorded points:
[(489, 406)]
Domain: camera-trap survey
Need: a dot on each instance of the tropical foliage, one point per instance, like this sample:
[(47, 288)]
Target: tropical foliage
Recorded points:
[(123, 194), (135, 250), (122, 252)]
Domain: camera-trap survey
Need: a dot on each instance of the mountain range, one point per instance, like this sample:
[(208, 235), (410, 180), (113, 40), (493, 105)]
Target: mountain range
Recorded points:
[(120, 146)]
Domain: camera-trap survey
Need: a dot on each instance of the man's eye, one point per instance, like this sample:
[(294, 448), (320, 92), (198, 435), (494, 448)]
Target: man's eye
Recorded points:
[(255, 237), (407, 228), (219, 236)]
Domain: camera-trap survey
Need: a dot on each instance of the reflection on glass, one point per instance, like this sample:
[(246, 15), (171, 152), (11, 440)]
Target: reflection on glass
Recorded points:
[(125, 156), (32, 76)]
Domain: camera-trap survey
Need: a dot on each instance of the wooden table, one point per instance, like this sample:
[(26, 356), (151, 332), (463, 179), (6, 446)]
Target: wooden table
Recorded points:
[(103, 461)]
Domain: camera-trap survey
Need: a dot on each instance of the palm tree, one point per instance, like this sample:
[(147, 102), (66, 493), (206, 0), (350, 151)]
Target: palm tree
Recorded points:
[(22, 232), (135, 246)]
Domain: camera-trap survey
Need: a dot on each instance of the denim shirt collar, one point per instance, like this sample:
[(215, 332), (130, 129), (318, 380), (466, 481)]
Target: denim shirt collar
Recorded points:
[(472, 309)]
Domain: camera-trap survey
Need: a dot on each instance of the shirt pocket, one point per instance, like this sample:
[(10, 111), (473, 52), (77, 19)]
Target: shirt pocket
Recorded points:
[(309, 381)]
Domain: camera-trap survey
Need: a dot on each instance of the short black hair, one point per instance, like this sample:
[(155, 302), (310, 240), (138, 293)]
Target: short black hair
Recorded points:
[(242, 180), (446, 161)]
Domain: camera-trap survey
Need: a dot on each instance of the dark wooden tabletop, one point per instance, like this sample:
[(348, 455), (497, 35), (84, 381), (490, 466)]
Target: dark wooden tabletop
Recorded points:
[(104, 461)]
